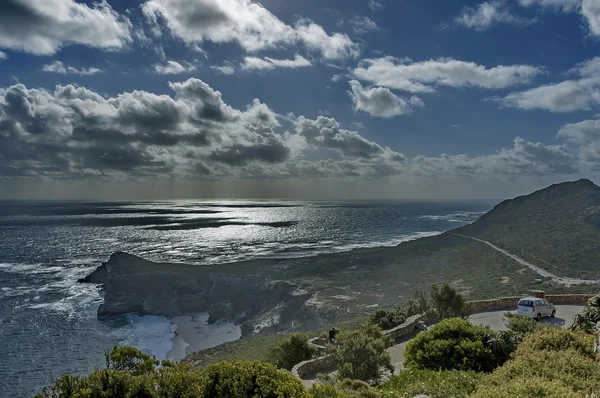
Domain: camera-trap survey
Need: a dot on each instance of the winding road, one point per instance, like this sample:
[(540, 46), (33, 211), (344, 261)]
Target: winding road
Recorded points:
[(535, 268)]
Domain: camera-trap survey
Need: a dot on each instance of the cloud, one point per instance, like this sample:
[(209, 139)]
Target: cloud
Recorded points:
[(60, 67), (363, 25), (524, 158), (244, 22), (173, 68), (224, 69), (73, 132), (566, 96), (559, 5), (43, 27), (326, 133), (254, 63), (489, 14), (381, 102), (585, 137), (76, 134), (375, 5), (3, 55), (422, 77), (590, 9)]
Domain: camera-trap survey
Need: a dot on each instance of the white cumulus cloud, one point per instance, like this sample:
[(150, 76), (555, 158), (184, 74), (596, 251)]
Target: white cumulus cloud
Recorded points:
[(246, 23), (381, 102)]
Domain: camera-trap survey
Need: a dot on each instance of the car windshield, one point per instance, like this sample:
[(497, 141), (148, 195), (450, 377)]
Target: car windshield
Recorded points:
[(526, 303)]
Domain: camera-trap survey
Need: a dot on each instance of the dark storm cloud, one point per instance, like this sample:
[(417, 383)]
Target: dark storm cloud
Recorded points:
[(76, 133)]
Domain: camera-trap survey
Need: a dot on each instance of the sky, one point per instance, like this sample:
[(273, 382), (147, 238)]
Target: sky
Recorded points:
[(312, 99)]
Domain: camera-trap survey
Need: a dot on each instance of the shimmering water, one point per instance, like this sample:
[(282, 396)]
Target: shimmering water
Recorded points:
[(48, 323)]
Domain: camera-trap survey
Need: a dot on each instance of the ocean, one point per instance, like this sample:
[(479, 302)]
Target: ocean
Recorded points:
[(48, 322)]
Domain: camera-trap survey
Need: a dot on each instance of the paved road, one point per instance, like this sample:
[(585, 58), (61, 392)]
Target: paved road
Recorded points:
[(495, 319)]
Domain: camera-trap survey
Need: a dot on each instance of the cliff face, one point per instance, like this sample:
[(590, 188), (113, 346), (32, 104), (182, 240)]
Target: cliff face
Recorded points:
[(132, 284)]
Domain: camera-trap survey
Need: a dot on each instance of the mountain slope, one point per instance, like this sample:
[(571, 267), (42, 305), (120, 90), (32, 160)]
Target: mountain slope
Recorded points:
[(557, 228)]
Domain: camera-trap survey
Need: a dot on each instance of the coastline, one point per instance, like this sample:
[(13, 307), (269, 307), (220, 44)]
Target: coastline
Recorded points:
[(194, 333)]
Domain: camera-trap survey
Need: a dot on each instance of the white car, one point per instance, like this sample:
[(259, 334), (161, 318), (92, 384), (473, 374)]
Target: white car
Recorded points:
[(535, 307)]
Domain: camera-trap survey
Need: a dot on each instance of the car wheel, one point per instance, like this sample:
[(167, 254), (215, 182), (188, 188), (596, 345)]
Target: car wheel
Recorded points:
[(538, 317), (553, 313)]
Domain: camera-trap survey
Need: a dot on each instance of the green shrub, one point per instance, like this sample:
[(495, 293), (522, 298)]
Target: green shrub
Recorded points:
[(453, 344), (344, 389), (361, 353), (293, 350), (558, 340), (251, 379), (130, 360), (526, 386), (442, 302), (388, 319), (523, 325), (569, 368), (442, 384), (102, 383), (587, 320), (174, 380), (560, 356)]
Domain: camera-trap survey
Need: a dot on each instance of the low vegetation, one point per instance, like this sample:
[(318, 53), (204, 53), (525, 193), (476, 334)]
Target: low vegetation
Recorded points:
[(294, 349), (588, 320), (552, 363), (456, 344), (435, 384), (149, 380), (360, 354)]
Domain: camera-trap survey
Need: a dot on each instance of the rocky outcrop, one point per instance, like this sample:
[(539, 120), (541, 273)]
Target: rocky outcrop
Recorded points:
[(134, 285)]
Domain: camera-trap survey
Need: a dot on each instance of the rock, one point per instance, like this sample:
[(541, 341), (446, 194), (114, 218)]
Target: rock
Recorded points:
[(135, 285)]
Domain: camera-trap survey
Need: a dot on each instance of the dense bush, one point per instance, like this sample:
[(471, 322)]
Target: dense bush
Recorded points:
[(453, 344), (526, 386), (138, 379), (442, 302), (293, 350), (388, 319), (558, 340), (587, 320), (442, 384), (130, 360), (559, 356), (344, 389), (251, 379), (523, 325), (361, 354)]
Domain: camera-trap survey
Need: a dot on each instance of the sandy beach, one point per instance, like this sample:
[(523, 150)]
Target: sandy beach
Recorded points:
[(193, 333)]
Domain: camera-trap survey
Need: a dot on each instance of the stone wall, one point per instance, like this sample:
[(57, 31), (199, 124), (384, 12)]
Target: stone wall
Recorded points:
[(313, 366), (406, 328), (507, 303), (325, 363)]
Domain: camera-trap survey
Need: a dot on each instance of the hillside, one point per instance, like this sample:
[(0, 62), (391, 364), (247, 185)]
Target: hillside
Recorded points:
[(557, 228)]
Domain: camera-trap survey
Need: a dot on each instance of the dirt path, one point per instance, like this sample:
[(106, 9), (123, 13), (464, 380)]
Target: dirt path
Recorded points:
[(535, 268)]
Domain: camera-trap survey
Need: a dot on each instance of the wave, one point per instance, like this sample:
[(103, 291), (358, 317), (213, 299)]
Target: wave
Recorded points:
[(456, 217)]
